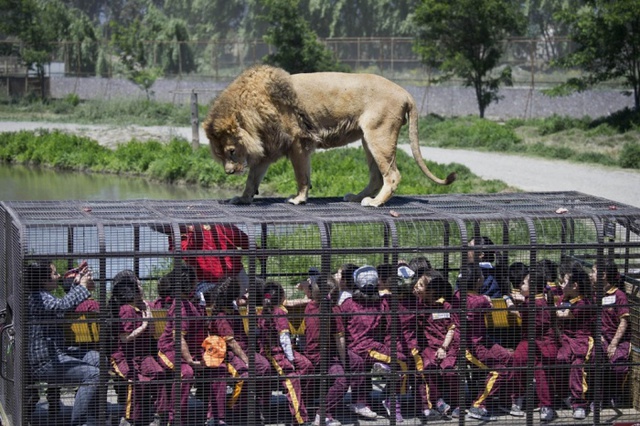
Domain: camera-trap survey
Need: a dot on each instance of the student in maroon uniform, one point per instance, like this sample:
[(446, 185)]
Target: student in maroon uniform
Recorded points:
[(406, 341), (165, 297), (615, 339), (351, 325), (481, 352), (549, 270), (192, 332), (312, 350), (532, 295), (229, 324), (133, 355), (441, 341), (275, 344), (576, 322)]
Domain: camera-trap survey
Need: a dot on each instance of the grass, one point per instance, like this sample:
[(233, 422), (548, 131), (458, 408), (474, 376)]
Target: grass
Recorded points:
[(611, 141), (121, 112), (334, 171)]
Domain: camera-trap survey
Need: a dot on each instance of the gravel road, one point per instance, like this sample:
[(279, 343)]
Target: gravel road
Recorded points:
[(535, 174), (525, 173)]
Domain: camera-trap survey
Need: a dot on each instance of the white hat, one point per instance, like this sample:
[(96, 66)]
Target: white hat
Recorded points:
[(365, 276), (404, 272)]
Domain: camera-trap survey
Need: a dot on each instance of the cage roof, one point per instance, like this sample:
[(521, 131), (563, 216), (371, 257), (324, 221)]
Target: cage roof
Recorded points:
[(276, 210)]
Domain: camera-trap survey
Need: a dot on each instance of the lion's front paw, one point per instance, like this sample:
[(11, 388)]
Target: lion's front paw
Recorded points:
[(369, 202), (297, 200), (240, 200)]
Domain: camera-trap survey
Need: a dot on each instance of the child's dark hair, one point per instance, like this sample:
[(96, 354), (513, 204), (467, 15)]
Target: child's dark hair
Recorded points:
[(419, 262), (181, 279), (223, 295), (386, 271), (548, 269), (489, 255), (37, 273), (517, 272), (164, 287), (539, 278), (568, 266), (441, 287), (471, 277), (124, 290), (347, 275), (612, 274), (273, 295), (580, 276)]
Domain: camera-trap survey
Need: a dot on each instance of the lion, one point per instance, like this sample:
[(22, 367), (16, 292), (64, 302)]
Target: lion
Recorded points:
[(267, 113)]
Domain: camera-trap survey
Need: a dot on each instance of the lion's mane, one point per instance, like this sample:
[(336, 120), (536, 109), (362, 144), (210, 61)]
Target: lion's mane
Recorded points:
[(263, 103)]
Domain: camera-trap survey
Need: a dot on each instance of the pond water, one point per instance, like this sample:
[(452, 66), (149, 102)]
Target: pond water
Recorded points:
[(19, 183)]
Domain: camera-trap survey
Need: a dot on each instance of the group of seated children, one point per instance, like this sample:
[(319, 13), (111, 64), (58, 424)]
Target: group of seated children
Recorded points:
[(370, 309)]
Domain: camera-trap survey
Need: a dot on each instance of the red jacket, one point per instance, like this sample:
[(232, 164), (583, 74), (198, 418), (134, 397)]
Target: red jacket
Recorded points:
[(214, 268)]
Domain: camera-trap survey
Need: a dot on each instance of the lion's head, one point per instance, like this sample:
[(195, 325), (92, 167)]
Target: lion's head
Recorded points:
[(231, 144)]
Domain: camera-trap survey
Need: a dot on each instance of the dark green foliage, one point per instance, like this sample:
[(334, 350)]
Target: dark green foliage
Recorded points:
[(630, 156), (298, 47), (52, 149), (623, 120), (135, 156), (606, 35)]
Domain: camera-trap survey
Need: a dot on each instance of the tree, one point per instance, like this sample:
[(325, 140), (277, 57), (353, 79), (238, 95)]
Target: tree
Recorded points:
[(545, 27), (298, 47), (467, 38), (360, 18), (607, 36), (134, 53), (40, 26)]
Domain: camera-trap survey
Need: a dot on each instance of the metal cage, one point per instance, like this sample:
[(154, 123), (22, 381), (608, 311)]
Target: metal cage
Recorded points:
[(282, 242)]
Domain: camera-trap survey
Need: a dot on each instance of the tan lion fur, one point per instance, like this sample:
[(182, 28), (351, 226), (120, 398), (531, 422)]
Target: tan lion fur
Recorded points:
[(267, 113)]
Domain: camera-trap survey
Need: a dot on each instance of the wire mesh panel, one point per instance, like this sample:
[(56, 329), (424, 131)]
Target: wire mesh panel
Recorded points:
[(511, 308)]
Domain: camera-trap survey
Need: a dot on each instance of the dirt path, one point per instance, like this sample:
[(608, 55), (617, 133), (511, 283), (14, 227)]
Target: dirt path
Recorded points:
[(535, 174), (526, 173)]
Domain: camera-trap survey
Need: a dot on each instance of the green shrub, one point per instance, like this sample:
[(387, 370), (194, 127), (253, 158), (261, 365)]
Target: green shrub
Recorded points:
[(601, 130), (549, 151), (623, 120), (556, 124), (474, 132), (594, 157), (630, 156)]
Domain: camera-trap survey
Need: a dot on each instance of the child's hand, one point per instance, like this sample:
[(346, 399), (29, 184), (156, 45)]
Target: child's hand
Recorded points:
[(86, 279)]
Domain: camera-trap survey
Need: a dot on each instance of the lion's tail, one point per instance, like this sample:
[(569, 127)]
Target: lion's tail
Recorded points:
[(412, 111)]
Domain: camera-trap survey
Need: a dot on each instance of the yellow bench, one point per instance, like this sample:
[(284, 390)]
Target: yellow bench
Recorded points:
[(83, 328), (499, 317)]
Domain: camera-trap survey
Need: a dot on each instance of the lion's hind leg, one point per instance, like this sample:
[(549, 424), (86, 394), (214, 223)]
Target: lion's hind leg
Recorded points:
[(383, 160), (375, 179)]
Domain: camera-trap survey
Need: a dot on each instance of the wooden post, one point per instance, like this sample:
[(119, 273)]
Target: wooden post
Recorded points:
[(195, 122)]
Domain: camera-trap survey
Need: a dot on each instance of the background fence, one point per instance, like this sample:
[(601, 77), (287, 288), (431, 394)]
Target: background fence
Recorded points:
[(392, 57), (76, 69)]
